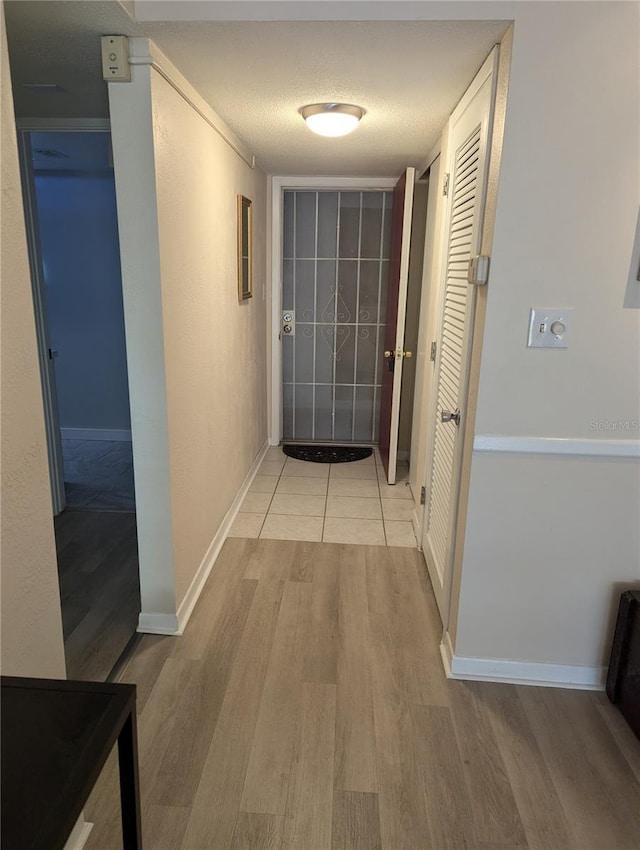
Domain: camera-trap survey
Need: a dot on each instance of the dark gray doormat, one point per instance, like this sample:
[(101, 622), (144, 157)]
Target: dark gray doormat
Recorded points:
[(327, 454)]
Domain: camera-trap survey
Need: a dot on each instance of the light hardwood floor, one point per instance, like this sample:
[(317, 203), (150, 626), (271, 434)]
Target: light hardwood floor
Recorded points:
[(305, 708), (99, 588)]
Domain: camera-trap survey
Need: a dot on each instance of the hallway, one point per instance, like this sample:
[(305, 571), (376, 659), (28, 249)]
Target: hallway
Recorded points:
[(306, 707), (329, 502)]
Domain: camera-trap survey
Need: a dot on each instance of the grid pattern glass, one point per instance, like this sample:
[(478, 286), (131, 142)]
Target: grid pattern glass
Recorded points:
[(335, 274)]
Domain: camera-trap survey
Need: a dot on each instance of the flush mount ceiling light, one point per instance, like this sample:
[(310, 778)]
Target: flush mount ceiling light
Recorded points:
[(332, 119)]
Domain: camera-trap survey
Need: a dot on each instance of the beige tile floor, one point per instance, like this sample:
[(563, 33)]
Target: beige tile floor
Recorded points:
[(331, 503)]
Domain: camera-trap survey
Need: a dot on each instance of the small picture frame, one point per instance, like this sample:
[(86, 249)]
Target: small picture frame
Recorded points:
[(245, 248)]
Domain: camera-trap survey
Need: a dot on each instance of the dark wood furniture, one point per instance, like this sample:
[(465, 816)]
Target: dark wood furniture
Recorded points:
[(623, 679), (56, 737)]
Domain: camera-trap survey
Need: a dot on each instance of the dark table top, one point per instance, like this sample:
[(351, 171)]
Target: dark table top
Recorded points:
[(56, 737)]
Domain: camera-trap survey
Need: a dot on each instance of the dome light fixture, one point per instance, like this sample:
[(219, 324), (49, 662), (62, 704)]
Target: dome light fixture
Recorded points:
[(332, 119)]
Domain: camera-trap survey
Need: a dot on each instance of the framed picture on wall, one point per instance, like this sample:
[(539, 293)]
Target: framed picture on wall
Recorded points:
[(245, 249)]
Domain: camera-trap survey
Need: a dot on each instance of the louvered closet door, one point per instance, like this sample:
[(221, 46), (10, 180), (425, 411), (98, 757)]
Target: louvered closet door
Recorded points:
[(466, 164)]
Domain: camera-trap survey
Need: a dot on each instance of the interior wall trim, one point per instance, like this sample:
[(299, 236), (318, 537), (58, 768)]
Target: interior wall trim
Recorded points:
[(120, 435), (79, 834), (572, 676), (192, 595), (85, 125), (159, 62), (158, 623), (559, 445)]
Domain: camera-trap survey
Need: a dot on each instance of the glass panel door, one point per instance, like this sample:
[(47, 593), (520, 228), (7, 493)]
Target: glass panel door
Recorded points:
[(335, 272)]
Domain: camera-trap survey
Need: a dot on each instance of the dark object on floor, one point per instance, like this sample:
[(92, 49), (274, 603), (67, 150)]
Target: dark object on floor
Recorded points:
[(56, 738), (327, 454), (623, 679)]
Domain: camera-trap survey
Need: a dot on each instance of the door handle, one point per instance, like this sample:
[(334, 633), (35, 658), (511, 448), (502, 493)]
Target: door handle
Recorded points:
[(391, 360), (404, 354), (447, 416)]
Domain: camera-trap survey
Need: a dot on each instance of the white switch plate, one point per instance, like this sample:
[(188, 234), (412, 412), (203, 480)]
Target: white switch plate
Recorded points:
[(115, 58), (541, 321)]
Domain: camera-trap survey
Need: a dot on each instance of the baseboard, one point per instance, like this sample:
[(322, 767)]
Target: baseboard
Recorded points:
[(575, 677), (118, 435), (79, 834), (158, 624), (195, 588)]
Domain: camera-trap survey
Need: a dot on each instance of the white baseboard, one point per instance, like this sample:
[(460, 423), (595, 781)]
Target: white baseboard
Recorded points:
[(576, 677), (195, 588), (79, 834), (119, 435), (174, 624), (158, 624)]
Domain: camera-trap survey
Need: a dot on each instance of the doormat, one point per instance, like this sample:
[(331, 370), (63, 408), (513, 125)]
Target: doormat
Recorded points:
[(327, 454)]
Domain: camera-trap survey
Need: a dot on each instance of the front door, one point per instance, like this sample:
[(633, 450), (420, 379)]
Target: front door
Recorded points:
[(336, 258), (466, 166), (396, 314)]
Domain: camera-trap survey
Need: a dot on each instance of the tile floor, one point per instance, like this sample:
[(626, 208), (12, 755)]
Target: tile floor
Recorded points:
[(330, 503)]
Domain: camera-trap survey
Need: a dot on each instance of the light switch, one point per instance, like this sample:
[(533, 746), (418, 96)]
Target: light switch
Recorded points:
[(549, 327)]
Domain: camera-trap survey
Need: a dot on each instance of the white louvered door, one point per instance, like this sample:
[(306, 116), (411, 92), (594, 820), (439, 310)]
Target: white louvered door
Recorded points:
[(466, 165)]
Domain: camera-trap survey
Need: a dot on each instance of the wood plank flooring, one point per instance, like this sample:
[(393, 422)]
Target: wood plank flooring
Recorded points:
[(305, 708), (99, 588)]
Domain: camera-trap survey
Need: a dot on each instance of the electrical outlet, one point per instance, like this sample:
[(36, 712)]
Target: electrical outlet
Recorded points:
[(549, 327)]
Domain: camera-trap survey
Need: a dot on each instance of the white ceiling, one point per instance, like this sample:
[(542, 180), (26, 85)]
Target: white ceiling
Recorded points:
[(408, 75)]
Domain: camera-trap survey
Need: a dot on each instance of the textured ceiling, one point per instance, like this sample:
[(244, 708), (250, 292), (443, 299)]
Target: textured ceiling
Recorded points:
[(408, 75)]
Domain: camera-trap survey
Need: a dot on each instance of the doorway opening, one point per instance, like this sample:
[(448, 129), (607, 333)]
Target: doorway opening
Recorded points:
[(75, 263), (333, 255), (336, 247)]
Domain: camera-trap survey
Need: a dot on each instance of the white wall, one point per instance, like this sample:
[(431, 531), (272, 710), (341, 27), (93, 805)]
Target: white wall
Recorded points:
[(32, 642), (215, 346), (197, 357), (548, 539)]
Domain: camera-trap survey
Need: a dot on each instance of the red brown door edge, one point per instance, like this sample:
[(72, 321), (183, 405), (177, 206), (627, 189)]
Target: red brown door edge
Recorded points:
[(395, 320)]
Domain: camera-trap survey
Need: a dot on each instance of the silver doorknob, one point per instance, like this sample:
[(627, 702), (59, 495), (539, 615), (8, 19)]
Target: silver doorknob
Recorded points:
[(447, 416)]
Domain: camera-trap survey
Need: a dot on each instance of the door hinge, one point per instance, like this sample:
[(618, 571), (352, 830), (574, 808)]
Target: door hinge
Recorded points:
[(423, 495), (434, 348), (445, 184)]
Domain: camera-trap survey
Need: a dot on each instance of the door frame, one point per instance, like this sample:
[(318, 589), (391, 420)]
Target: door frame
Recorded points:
[(277, 186), (398, 351), (25, 126)]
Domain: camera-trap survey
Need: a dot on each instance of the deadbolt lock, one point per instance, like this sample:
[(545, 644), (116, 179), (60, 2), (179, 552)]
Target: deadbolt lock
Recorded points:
[(404, 354)]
